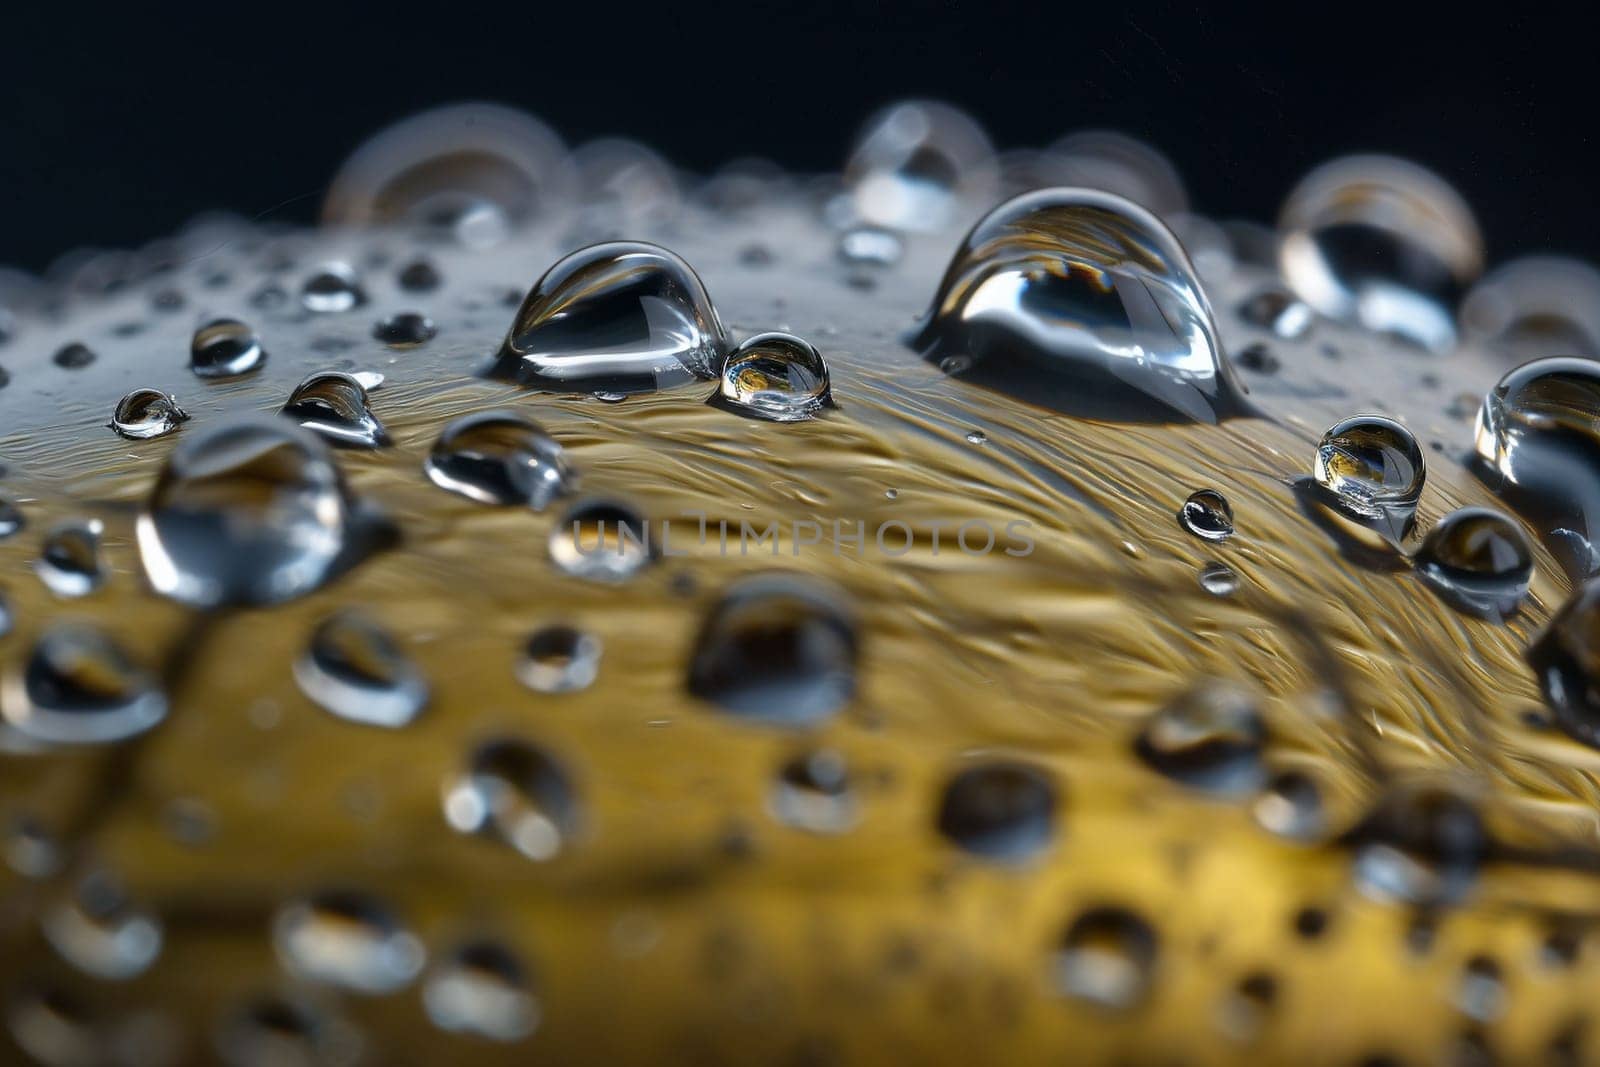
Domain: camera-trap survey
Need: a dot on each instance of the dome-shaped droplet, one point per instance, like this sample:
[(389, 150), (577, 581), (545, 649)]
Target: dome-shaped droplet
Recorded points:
[(601, 541), (146, 413), (1382, 242), (1218, 579), (517, 793), (774, 376), (1423, 845), (1207, 514), (918, 165), (500, 458), (69, 558), (225, 348), (334, 405), (1565, 658), (1210, 737), (1478, 560), (559, 659), (623, 317), (481, 989), (1116, 163), (79, 687), (354, 669), (1371, 467), (333, 288), (1291, 806), (813, 793), (74, 356), (1000, 810), (251, 511), (405, 329), (1278, 311), (1535, 306), (776, 649), (101, 932), (1084, 302), (1106, 957), (419, 276), (349, 940)]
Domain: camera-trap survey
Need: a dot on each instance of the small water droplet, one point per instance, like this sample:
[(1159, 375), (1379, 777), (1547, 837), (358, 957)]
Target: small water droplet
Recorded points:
[(601, 541), (1106, 957), (69, 559), (1218, 579), (346, 939), (1258, 358), (147, 413), (334, 405), (74, 356), (1482, 991), (1291, 806), (354, 669), (500, 458), (870, 246), (516, 793), (1211, 737), (79, 687), (481, 989), (11, 518), (813, 793), (333, 288), (1478, 560), (774, 376), (999, 810), (1208, 515), (419, 276), (917, 165), (1422, 845), (31, 849), (559, 659), (977, 437), (405, 329), (225, 348), (100, 931), (1372, 469), (1276, 310)]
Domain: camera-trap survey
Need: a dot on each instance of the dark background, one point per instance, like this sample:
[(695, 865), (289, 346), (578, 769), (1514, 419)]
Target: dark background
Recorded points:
[(118, 126)]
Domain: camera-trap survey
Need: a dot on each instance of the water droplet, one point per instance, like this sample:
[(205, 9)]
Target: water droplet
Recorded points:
[(813, 793), (147, 413), (69, 559), (1258, 358), (333, 288), (1423, 845), (1565, 658), (55, 1028), (100, 931), (917, 165), (1276, 310), (80, 687), (999, 810), (1211, 737), (11, 519), (334, 405), (1085, 303), (481, 989), (1372, 469), (625, 186), (1106, 957), (1291, 806), (1207, 514), (871, 247), (419, 276), (355, 670), (225, 348), (1536, 305), (1478, 560), (74, 356), (777, 649), (251, 511), (977, 437), (516, 793), (405, 329), (1218, 579), (31, 849), (775, 376), (1382, 242), (500, 458), (601, 541), (624, 317), (1482, 991), (559, 659), (349, 940), (279, 1031), (1116, 163)]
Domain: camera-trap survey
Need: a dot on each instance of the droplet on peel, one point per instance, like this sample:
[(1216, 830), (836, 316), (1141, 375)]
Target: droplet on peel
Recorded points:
[(1478, 560), (1107, 958), (517, 793), (1291, 806), (1085, 303), (78, 687), (918, 165), (776, 649), (500, 458), (334, 406), (1422, 845), (146, 413), (559, 659), (101, 932), (332, 289), (480, 988), (1208, 515), (225, 348), (348, 940), (69, 560), (775, 376), (999, 810), (274, 1030), (601, 541), (1537, 305), (1372, 468), (1565, 658), (624, 317), (813, 793), (405, 329), (355, 670), (1382, 242), (1211, 737), (1218, 579)]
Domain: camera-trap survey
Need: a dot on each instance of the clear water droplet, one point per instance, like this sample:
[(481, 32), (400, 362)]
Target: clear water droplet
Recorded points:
[(74, 356), (349, 940), (334, 405), (332, 289), (1083, 302), (225, 348), (517, 793), (69, 560), (1211, 737), (813, 793), (500, 458), (78, 686), (405, 329), (101, 932), (1372, 469), (999, 810), (624, 317), (918, 165), (777, 649), (146, 413), (1208, 515), (559, 659), (601, 541), (1106, 957), (1478, 560), (775, 376), (354, 669), (1218, 579), (481, 989)]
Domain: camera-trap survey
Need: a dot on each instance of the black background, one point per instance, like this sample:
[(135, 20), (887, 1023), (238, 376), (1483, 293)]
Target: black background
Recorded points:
[(118, 126)]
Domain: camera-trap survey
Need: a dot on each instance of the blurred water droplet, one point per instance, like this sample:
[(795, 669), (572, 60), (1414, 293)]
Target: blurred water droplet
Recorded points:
[(871, 246), (74, 356), (1116, 163), (333, 288), (559, 659), (278, 1031), (999, 810), (225, 348), (516, 793), (1106, 957), (813, 793), (1291, 806), (1211, 737), (500, 458), (419, 276), (625, 187), (101, 932), (1382, 242), (918, 165), (1278, 311), (354, 669), (147, 413), (405, 329), (11, 519), (69, 560), (1218, 579), (601, 541), (1478, 560), (346, 939), (1422, 845), (1565, 658), (1372, 468), (776, 649), (79, 687), (623, 317), (1537, 305), (334, 405), (775, 376), (1083, 302), (481, 989), (31, 849), (1207, 514), (1482, 992)]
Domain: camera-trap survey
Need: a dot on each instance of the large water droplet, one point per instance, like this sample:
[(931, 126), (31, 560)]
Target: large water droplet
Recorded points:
[(333, 288), (774, 376), (917, 165), (251, 511), (1207, 514), (776, 649), (1211, 737), (80, 687), (225, 348), (354, 669), (1423, 845), (500, 458), (1084, 302), (624, 317), (559, 659), (100, 931), (334, 405), (999, 810), (813, 793), (147, 413), (1537, 305), (1478, 560), (349, 940), (69, 559), (517, 793), (481, 989), (1106, 957), (625, 186), (1382, 242), (601, 541), (1371, 468)]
